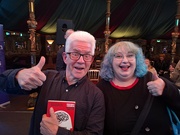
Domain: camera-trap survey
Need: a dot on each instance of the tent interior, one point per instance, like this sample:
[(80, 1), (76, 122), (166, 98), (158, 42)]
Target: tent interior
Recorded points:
[(149, 23)]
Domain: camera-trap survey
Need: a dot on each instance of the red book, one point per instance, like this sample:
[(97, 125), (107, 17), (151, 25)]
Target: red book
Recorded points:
[(65, 111)]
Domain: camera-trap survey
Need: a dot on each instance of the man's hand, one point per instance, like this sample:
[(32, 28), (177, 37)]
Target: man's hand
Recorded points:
[(156, 87), (49, 125), (31, 78)]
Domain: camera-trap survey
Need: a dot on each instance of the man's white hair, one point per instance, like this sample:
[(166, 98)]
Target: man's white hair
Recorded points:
[(80, 36)]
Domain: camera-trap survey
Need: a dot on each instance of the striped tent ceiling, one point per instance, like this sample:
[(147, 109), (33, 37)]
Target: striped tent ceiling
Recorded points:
[(145, 19)]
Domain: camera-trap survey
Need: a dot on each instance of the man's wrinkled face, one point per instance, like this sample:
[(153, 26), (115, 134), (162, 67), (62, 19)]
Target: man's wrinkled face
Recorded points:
[(77, 69)]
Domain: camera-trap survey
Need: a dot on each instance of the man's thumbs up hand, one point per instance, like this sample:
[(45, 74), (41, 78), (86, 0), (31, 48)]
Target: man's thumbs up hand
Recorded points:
[(41, 63), (156, 86), (31, 78)]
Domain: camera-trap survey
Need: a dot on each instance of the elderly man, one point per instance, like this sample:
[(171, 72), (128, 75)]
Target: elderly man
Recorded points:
[(69, 85)]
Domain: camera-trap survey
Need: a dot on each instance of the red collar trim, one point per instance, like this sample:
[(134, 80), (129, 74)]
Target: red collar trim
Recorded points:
[(127, 87)]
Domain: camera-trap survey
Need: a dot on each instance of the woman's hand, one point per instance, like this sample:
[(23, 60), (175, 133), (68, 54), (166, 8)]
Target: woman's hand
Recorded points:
[(156, 87)]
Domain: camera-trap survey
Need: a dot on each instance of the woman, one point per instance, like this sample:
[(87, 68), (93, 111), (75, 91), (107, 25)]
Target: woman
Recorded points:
[(126, 84), (149, 66)]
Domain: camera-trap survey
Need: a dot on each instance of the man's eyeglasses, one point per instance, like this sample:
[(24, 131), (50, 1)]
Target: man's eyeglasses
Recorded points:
[(76, 56)]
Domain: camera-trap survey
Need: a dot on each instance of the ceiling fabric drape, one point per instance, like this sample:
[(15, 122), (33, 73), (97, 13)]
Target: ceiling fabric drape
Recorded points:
[(10, 12), (86, 15), (147, 19), (129, 18), (117, 15), (45, 10)]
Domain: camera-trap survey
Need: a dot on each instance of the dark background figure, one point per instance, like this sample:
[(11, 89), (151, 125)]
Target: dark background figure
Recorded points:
[(150, 67), (168, 74), (161, 65), (175, 75), (60, 65)]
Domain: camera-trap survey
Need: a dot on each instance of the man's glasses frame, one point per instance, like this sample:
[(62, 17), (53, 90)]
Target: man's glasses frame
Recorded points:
[(76, 56)]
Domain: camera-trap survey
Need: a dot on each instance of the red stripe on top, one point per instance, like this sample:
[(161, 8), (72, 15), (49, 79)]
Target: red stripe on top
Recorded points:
[(127, 87)]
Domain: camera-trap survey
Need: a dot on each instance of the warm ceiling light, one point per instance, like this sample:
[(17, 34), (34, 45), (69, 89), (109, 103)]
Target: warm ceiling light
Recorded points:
[(50, 41)]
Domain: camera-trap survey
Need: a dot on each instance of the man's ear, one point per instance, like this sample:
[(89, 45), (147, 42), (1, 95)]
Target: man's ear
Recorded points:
[(64, 55)]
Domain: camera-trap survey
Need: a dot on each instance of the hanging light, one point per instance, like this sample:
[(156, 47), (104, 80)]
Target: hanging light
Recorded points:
[(50, 41)]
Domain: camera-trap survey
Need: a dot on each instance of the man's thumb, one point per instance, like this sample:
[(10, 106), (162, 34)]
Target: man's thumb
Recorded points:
[(155, 76), (41, 62), (52, 113)]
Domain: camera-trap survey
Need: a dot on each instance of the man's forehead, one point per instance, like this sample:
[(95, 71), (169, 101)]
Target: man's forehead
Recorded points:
[(87, 50)]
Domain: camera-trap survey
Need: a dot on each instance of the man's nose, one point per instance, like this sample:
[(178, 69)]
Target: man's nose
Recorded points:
[(81, 59)]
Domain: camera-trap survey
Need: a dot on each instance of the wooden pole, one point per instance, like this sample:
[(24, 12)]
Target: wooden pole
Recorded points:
[(107, 31), (175, 34), (32, 30)]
